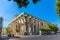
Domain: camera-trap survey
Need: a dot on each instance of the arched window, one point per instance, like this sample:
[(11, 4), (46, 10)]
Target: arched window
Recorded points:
[(16, 26), (41, 23)]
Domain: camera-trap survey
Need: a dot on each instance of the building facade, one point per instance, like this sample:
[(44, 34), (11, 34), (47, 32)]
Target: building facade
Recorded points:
[(27, 24), (1, 24), (3, 31)]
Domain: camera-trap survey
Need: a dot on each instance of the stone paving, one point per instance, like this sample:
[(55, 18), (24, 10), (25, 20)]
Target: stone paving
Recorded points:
[(48, 37)]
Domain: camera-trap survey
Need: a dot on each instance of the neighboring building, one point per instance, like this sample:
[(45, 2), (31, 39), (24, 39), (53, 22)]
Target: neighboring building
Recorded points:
[(3, 31), (28, 24), (1, 23)]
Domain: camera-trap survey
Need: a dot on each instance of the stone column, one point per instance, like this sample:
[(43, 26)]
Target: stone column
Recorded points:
[(14, 28), (36, 26), (27, 28), (32, 25)]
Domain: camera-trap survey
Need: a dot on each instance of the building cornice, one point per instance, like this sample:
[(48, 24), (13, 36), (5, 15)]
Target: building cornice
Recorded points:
[(16, 17), (27, 14)]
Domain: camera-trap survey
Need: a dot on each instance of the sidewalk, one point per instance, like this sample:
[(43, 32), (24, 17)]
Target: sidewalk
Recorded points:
[(20, 36), (23, 36)]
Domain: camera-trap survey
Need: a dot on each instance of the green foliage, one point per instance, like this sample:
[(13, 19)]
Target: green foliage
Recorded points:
[(53, 27), (44, 28), (8, 30), (0, 31), (24, 3), (58, 7), (49, 27), (21, 3), (58, 30), (35, 1)]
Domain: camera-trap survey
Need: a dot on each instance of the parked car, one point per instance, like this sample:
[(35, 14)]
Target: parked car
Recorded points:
[(10, 35)]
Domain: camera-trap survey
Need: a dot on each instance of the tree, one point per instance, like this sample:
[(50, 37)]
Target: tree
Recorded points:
[(24, 3), (0, 32), (43, 28), (53, 27), (49, 28), (58, 7), (8, 30)]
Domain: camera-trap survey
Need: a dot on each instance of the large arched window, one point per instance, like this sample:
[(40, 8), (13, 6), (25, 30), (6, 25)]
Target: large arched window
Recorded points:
[(16, 26), (21, 20)]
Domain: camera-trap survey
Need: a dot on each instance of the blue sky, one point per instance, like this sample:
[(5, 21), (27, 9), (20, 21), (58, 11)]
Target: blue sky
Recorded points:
[(45, 9)]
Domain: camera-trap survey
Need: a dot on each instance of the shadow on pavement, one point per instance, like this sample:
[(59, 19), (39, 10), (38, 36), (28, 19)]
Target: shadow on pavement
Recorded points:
[(4, 38), (7, 38)]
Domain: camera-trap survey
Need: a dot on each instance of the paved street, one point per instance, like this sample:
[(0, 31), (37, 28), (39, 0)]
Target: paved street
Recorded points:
[(48, 37)]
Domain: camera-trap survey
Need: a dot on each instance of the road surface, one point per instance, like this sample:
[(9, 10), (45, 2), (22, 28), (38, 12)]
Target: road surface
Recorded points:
[(48, 37)]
